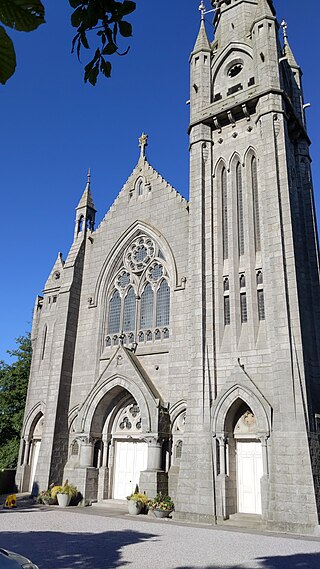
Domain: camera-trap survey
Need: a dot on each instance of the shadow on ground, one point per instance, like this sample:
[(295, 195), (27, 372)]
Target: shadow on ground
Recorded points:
[(57, 550), (298, 561)]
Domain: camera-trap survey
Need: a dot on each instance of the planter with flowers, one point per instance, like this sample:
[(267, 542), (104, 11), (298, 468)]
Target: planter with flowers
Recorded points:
[(46, 498), (64, 493), (137, 502), (162, 505)]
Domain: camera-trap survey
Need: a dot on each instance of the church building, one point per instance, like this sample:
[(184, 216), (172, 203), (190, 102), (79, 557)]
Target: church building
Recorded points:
[(177, 346)]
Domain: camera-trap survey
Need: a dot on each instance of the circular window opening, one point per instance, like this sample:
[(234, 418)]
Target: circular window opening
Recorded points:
[(235, 70)]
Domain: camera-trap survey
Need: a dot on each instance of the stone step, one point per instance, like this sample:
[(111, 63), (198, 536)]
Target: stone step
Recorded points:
[(251, 521), (121, 505)]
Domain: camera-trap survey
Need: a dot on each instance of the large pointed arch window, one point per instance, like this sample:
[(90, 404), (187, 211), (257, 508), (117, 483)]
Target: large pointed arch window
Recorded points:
[(163, 304), (240, 209), (146, 313), (224, 197), (114, 313), (129, 311), (255, 199), (138, 308)]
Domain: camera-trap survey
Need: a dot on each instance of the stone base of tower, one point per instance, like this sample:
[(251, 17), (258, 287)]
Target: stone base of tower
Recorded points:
[(195, 494), (292, 504)]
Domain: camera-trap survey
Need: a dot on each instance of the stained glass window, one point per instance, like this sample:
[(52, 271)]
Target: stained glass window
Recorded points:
[(243, 307), (240, 210), (261, 311), (163, 304), (114, 313), (255, 198), (146, 314), (129, 311), (224, 213), (226, 300)]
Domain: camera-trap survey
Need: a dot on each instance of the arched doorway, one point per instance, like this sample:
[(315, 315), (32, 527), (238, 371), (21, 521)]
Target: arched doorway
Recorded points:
[(241, 425), (249, 463), (119, 451), (130, 452), (34, 450)]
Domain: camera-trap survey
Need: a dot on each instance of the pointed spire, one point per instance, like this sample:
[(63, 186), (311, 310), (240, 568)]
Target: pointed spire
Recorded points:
[(202, 42), (286, 46), (86, 199)]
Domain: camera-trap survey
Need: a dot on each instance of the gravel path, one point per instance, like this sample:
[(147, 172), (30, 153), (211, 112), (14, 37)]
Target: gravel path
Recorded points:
[(56, 539)]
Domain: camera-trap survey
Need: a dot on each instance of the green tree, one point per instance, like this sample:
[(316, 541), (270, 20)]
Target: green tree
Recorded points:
[(105, 17), (13, 391)]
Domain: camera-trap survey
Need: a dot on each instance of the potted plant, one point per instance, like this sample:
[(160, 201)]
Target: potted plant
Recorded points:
[(46, 498), (136, 502), (64, 493), (161, 505)]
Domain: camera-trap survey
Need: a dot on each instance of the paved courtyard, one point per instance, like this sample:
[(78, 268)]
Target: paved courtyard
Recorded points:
[(69, 539)]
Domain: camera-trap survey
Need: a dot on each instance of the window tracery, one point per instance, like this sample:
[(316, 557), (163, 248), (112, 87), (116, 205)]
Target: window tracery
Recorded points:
[(138, 306)]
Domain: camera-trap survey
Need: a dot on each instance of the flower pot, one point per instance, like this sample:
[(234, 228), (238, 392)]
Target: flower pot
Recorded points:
[(162, 513), (63, 500), (134, 508)]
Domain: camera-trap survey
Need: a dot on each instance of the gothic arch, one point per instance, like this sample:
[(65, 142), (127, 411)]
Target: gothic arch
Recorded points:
[(253, 398), (146, 402), (220, 164), (248, 155), (176, 409), (110, 265), (231, 48), (32, 417), (234, 160)]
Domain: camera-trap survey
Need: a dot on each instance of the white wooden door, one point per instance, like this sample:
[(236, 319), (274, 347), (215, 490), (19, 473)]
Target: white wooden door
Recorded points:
[(130, 460), (34, 461), (249, 472)]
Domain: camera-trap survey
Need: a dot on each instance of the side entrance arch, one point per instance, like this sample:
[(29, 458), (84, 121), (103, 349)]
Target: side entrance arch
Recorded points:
[(241, 423)]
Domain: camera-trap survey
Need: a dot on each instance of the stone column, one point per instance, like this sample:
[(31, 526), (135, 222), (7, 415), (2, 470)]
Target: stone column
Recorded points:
[(154, 454), (221, 480), (154, 479), (86, 454)]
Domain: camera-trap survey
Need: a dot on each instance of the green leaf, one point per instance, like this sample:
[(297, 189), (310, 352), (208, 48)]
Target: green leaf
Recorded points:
[(128, 7), (105, 67), (75, 3), (7, 57), (84, 41), (76, 17), (22, 15), (125, 29), (110, 49)]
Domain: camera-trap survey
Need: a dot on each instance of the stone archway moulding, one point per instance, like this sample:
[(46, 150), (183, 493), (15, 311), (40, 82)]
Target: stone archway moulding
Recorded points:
[(145, 401), (37, 409), (120, 246), (255, 400)]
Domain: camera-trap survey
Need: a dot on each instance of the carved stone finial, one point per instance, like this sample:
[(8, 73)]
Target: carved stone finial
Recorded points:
[(89, 176), (284, 26), (143, 143), (202, 10)]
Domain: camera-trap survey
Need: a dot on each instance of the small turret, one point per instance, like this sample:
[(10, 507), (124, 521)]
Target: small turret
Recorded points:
[(85, 211), (200, 70)]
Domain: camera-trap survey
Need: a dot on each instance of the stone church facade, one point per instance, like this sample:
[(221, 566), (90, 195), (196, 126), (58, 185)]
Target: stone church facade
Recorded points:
[(177, 346)]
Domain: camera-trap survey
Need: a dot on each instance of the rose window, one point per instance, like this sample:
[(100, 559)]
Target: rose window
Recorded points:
[(139, 254)]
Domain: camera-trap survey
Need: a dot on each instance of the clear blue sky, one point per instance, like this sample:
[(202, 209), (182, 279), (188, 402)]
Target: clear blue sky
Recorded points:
[(53, 127)]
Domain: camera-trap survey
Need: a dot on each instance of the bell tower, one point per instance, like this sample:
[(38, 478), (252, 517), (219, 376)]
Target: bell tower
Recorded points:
[(254, 279)]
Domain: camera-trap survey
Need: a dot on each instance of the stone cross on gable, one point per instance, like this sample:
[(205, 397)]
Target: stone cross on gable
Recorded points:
[(143, 142)]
